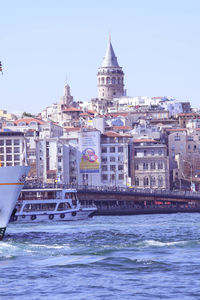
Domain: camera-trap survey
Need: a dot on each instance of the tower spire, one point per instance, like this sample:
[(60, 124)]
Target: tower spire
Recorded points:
[(110, 59)]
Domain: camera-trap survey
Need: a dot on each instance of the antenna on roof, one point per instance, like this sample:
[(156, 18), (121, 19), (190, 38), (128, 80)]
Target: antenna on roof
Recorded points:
[(109, 37)]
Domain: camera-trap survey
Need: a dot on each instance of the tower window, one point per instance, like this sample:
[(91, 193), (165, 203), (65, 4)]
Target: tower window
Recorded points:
[(108, 80), (113, 80)]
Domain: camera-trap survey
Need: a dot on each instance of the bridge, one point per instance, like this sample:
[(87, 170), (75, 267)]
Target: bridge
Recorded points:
[(126, 201)]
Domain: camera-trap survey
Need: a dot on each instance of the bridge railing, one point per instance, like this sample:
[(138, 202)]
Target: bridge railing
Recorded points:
[(112, 189)]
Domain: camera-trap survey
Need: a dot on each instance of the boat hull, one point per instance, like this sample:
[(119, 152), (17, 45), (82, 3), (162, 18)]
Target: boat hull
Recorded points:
[(71, 215), (11, 182)]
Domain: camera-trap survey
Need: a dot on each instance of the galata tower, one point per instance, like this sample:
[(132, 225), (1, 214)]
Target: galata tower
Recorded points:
[(110, 76)]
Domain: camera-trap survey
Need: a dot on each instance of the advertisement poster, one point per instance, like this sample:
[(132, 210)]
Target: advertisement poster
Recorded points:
[(89, 144)]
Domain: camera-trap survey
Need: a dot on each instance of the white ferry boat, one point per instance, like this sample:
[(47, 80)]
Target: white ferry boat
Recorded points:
[(11, 182), (54, 204)]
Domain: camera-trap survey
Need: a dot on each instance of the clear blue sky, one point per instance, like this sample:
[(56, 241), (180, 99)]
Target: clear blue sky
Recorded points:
[(157, 43)]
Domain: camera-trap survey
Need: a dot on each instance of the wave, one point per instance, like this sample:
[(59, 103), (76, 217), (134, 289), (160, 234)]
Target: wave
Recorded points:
[(68, 260), (155, 243)]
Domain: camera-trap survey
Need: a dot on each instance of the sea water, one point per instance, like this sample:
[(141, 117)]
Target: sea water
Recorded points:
[(126, 257)]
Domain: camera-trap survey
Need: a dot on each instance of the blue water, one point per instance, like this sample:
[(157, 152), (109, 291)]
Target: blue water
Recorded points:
[(127, 257)]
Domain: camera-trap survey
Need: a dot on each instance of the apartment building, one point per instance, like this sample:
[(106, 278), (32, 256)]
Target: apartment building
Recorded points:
[(150, 168), (12, 148), (115, 159)]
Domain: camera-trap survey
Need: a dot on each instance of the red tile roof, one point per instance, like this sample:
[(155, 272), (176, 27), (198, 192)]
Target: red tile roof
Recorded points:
[(72, 128), (117, 114), (121, 127), (115, 134), (72, 109), (29, 120), (92, 112)]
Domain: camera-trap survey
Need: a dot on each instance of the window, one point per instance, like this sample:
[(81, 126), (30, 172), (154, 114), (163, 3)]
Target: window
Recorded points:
[(136, 166), (112, 168), (190, 138), (1, 157), (121, 176), (8, 142), (104, 159), (1, 142), (16, 142), (153, 181), (137, 183), (153, 165), (16, 157), (160, 165), (104, 150), (8, 157), (104, 168), (120, 167), (177, 138), (160, 181), (16, 150), (152, 152), (104, 177), (145, 152), (145, 166), (1, 150), (160, 152), (112, 159), (8, 150), (112, 149), (112, 177), (146, 181), (120, 149)]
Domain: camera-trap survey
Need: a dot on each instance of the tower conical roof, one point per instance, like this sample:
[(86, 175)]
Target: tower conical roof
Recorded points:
[(110, 60)]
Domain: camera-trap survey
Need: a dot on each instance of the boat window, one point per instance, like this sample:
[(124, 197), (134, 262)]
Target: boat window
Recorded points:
[(73, 196), (39, 207), (67, 196), (64, 206)]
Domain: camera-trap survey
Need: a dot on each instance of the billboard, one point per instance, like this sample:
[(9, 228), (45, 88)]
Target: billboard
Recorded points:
[(90, 151)]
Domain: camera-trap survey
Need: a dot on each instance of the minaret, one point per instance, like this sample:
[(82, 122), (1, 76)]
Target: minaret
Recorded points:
[(110, 76)]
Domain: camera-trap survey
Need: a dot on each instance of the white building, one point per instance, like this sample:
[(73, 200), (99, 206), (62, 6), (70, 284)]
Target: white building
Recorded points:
[(12, 149), (115, 162)]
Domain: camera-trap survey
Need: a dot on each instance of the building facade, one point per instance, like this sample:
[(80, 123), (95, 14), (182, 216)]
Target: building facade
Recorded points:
[(115, 159), (150, 167)]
